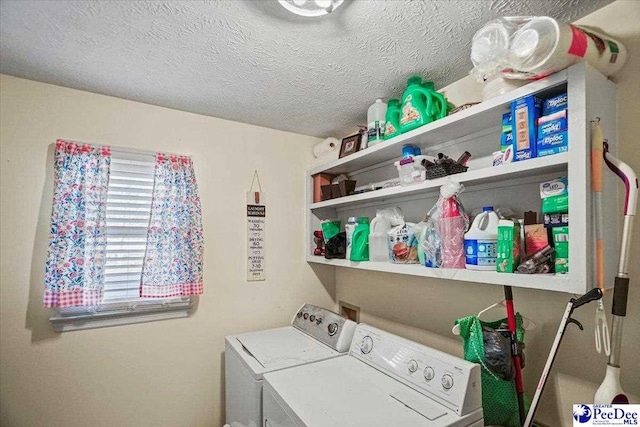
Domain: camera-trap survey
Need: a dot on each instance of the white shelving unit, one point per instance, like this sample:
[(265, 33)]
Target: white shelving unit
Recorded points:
[(514, 185)]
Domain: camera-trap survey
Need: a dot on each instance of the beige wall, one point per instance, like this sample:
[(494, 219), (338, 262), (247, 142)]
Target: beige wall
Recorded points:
[(424, 309), (166, 373), (169, 373)]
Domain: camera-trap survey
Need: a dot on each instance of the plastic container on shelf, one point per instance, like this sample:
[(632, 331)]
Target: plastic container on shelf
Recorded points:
[(392, 119), (439, 106), (378, 249), (376, 117), (416, 105), (480, 242), (350, 228), (410, 171), (360, 240)]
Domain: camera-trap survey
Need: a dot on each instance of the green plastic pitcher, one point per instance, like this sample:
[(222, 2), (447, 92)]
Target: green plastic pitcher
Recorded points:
[(416, 105), (392, 119), (438, 101)]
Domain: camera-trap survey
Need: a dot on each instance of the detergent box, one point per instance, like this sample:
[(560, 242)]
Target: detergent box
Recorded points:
[(554, 104), (525, 112)]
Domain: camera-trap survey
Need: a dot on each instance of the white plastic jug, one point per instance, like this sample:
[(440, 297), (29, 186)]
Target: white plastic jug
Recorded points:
[(480, 242), (376, 117), (378, 250)]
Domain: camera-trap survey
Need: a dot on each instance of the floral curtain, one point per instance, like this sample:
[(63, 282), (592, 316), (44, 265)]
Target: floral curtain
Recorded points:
[(175, 242), (75, 263)]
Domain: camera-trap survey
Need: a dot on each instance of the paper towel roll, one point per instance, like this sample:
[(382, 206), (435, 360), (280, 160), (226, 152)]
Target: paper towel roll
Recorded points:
[(325, 147)]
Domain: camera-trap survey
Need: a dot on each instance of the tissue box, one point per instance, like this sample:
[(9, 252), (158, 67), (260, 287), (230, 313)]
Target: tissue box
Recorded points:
[(525, 112), (554, 104)]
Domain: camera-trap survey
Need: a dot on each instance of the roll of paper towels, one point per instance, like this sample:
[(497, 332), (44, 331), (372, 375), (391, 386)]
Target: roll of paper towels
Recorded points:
[(325, 147)]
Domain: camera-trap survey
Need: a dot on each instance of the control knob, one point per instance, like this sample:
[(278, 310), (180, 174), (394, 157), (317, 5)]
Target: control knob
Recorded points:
[(447, 381), (366, 345), (412, 366), (429, 373), (332, 328)]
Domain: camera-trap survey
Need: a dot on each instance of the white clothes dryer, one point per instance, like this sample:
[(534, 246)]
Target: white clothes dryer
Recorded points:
[(315, 334), (385, 381)]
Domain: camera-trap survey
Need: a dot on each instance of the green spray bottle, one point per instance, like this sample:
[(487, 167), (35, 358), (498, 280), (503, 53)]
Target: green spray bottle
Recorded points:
[(392, 120), (438, 101), (416, 105)]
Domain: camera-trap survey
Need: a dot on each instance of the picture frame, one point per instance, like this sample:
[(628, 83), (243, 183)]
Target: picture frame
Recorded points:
[(350, 145)]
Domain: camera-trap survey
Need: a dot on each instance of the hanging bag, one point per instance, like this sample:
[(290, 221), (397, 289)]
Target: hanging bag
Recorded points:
[(484, 344)]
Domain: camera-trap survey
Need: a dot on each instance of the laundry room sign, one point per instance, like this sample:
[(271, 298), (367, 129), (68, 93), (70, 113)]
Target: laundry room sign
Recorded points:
[(256, 218)]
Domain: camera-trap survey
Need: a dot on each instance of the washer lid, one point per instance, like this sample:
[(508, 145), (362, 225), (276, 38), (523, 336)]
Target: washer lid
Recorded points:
[(279, 348)]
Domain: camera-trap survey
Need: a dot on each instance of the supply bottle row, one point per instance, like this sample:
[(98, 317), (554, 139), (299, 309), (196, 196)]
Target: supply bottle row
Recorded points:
[(495, 240)]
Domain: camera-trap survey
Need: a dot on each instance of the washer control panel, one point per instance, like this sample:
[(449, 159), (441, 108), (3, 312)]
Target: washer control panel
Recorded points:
[(447, 379), (326, 326)]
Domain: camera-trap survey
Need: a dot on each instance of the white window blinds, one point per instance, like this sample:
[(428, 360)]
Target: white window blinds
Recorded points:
[(128, 212)]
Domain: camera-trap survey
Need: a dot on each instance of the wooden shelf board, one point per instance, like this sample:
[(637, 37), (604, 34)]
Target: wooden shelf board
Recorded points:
[(537, 166), (551, 282)]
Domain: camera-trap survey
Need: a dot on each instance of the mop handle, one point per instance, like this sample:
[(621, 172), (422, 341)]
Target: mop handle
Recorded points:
[(593, 294), (596, 189), (630, 181)]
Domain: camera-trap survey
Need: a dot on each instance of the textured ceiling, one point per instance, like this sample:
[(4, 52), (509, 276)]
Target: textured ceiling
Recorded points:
[(252, 61)]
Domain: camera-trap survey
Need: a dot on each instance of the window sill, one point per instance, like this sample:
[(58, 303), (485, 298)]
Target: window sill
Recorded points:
[(79, 320)]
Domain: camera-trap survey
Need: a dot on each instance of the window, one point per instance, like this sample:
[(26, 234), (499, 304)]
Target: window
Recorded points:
[(128, 212)]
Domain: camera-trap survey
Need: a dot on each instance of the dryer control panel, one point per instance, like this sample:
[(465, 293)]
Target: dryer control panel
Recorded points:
[(447, 379), (326, 326)]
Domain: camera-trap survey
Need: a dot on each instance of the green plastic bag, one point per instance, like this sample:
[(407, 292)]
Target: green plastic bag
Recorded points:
[(499, 397)]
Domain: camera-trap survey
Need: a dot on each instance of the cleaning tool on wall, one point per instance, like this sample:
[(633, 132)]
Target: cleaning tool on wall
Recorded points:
[(516, 350), (610, 390), (601, 327), (592, 295)]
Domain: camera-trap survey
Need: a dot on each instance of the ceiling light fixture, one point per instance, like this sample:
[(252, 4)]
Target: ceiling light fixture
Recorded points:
[(311, 8)]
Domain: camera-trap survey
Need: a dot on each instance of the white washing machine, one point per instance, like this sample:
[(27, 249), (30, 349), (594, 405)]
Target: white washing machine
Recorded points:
[(315, 334), (385, 381)]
